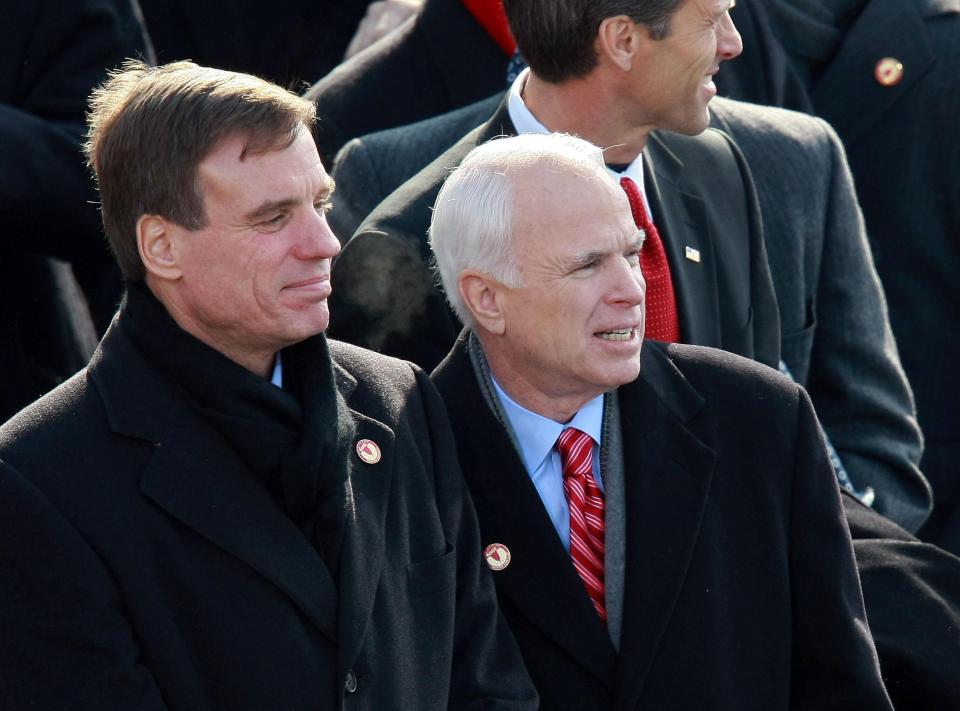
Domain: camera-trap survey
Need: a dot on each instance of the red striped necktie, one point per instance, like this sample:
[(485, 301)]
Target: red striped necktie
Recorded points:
[(586, 512), (662, 323)]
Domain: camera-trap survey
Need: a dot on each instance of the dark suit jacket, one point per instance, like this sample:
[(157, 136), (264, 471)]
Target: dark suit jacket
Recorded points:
[(741, 590), (835, 333), (904, 150), (437, 61), (53, 55), (384, 295), (145, 568)]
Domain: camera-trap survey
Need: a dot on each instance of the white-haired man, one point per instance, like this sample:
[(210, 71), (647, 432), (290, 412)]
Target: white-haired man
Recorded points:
[(655, 514)]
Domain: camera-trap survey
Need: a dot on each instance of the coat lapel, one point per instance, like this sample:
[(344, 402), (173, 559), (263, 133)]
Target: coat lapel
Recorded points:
[(668, 472), (365, 503), (682, 222), (850, 75), (540, 582), (197, 479)]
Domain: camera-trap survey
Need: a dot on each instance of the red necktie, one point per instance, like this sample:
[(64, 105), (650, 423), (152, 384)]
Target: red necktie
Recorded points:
[(586, 512), (490, 15), (662, 322)]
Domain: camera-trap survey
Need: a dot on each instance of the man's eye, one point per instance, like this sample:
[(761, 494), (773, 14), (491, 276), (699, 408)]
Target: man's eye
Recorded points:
[(274, 220), (633, 258)]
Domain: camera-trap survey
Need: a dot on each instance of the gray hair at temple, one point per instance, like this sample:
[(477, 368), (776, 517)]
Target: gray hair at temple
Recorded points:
[(473, 218)]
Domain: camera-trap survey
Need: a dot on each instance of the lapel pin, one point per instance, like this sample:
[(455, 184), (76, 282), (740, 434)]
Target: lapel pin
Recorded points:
[(368, 451), (889, 71), (692, 254), (497, 556)]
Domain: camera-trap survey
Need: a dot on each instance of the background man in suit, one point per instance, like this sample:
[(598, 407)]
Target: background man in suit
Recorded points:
[(216, 512), (682, 523), (835, 335), (884, 74), (597, 70)]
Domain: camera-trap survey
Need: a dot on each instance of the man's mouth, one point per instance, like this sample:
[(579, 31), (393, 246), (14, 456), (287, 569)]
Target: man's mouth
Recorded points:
[(621, 334)]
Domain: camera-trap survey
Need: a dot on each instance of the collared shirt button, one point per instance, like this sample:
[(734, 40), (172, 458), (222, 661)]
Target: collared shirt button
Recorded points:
[(350, 685)]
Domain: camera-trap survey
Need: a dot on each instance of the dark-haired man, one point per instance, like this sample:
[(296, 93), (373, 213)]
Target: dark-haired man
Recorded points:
[(216, 513), (613, 73)]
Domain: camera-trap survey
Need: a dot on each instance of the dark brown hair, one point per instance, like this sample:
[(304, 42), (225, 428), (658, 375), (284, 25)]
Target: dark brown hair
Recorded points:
[(557, 37), (151, 127)]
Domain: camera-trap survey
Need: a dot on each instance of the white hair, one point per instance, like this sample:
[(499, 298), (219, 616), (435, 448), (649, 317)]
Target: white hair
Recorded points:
[(472, 223)]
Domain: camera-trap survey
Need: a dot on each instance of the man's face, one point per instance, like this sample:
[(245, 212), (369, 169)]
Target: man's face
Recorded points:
[(574, 328), (257, 277), (673, 81)]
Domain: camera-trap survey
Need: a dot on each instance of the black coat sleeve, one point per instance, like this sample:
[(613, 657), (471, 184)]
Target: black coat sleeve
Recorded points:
[(67, 642)]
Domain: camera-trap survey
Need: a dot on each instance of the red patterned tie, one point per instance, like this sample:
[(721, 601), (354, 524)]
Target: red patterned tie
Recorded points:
[(586, 512), (662, 321)]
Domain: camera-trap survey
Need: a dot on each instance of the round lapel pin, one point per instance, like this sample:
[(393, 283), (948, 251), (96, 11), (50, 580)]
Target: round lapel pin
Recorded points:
[(889, 71), (368, 451), (497, 556)]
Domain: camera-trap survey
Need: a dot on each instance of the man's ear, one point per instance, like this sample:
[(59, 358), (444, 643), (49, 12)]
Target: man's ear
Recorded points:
[(618, 40), (482, 295), (157, 246)]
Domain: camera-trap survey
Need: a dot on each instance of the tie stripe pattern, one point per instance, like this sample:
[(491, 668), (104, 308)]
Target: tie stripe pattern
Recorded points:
[(586, 513), (662, 323)]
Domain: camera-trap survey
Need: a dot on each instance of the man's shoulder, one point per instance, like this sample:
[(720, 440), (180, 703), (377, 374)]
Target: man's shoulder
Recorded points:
[(51, 412), (775, 127), (407, 209), (363, 363), (62, 439), (720, 376)]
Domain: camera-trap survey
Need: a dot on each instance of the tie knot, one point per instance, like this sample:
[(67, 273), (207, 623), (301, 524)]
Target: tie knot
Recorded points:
[(576, 450), (637, 208)]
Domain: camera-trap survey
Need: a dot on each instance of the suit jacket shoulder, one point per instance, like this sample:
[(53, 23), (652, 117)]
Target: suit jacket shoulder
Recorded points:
[(437, 61), (836, 337)]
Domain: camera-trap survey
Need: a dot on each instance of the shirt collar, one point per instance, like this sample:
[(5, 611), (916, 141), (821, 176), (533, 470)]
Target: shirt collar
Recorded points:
[(537, 434), (277, 377)]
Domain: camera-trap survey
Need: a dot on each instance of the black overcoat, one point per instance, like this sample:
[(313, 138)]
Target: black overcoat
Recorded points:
[(145, 568)]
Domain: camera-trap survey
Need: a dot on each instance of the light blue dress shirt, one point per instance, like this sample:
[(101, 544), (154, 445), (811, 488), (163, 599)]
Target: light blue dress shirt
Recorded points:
[(537, 437)]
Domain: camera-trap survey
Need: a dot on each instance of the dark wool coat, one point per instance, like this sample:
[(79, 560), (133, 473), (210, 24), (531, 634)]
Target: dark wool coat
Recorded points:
[(145, 568)]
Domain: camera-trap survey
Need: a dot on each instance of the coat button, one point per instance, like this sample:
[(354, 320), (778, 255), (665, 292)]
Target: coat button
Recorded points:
[(350, 685)]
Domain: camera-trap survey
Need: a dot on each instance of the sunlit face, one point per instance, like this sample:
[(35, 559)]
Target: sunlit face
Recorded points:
[(257, 277), (574, 328), (673, 80)]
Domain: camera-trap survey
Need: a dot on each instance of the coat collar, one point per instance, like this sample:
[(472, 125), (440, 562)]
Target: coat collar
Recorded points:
[(667, 481), (885, 28), (200, 481), (681, 219)]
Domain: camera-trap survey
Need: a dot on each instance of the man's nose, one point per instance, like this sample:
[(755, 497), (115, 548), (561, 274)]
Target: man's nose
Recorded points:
[(629, 288), (317, 240), (729, 42)]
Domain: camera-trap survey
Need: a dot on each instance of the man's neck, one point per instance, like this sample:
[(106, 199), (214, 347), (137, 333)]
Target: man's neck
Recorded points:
[(588, 108), (539, 397)]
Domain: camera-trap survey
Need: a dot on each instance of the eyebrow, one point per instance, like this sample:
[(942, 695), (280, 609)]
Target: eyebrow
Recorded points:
[(269, 206)]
